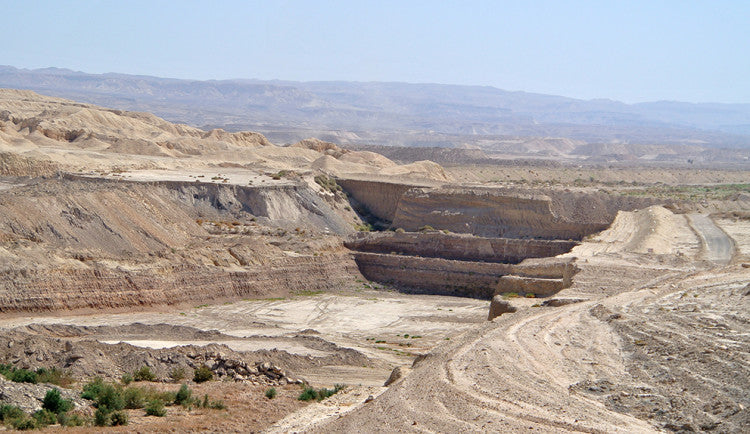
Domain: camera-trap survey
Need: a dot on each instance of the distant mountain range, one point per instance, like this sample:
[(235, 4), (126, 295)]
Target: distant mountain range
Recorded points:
[(394, 113)]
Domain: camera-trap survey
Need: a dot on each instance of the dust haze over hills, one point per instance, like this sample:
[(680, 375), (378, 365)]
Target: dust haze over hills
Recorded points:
[(403, 114)]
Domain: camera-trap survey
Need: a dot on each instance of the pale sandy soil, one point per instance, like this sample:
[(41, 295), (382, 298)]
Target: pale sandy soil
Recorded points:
[(739, 230), (357, 319)]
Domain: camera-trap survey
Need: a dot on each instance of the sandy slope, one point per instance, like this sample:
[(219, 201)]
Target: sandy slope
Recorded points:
[(583, 367)]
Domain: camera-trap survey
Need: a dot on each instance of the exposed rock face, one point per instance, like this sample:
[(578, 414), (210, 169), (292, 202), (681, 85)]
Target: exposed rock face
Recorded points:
[(99, 287), (463, 265), (489, 213), (457, 246), (492, 212), (79, 244), (433, 275), (379, 198), (498, 306)]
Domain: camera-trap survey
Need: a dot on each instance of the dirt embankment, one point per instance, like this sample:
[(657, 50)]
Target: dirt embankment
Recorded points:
[(97, 244)]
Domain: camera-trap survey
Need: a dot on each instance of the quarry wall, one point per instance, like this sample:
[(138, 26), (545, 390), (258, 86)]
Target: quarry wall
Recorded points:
[(457, 246), (40, 290), (380, 198)]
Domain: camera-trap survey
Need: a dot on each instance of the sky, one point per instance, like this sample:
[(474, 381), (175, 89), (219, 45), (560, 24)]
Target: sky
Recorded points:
[(631, 51)]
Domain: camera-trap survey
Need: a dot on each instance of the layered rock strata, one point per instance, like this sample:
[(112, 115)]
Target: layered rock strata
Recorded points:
[(458, 246)]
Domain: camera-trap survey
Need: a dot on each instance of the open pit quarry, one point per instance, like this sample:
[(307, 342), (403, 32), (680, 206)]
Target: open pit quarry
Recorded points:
[(128, 241)]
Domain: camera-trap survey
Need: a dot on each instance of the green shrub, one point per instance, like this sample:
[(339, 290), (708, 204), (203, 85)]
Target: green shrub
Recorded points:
[(183, 395), (67, 419), (177, 374), (23, 423), (44, 418), (271, 393), (205, 402), (55, 403), (217, 405), (134, 397), (92, 389), (426, 228), (102, 417), (203, 374), (8, 412), (23, 376), (118, 418), (144, 374), (309, 393), (156, 408), (54, 376), (111, 398), (126, 379)]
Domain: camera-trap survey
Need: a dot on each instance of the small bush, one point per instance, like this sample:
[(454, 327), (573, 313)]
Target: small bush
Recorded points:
[(8, 412), (44, 418), (156, 408), (54, 376), (399, 230), (111, 398), (118, 418), (92, 389), (426, 228), (309, 393), (183, 395), (203, 374), (177, 374), (271, 393), (23, 376), (134, 397), (23, 423), (144, 374), (217, 405), (102, 417), (55, 403), (69, 420), (126, 379)]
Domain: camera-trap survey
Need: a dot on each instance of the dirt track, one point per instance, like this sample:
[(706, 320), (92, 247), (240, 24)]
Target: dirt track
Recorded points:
[(718, 246)]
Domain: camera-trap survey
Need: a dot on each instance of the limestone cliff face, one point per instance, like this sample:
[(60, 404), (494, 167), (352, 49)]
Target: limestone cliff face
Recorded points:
[(491, 212), (457, 246)]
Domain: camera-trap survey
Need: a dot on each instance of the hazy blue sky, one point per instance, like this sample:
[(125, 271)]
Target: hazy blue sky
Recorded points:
[(627, 50)]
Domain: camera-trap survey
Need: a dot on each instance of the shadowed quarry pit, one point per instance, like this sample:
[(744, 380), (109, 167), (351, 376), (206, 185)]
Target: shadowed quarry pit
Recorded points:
[(476, 242)]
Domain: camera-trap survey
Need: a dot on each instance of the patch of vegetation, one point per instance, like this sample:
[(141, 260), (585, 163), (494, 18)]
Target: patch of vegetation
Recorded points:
[(310, 393), (54, 376), (308, 293), (144, 373), (126, 379), (328, 183), (203, 374), (271, 393), (183, 396), (54, 402), (690, 192), (508, 295), (426, 228), (155, 408), (364, 227), (178, 374)]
